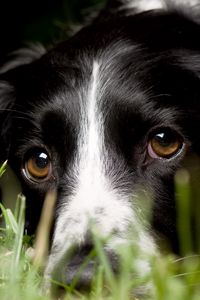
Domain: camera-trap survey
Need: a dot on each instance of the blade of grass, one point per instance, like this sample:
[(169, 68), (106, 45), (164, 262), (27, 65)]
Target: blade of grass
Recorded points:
[(10, 222), (182, 182), (104, 260), (17, 208), (3, 168), (97, 292), (43, 231), (19, 236)]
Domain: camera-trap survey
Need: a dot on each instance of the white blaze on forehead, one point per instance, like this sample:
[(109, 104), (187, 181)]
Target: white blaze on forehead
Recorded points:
[(90, 141), (94, 198)]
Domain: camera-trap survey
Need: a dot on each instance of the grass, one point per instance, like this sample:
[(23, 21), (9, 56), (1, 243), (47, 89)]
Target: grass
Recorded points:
[(172, 278)]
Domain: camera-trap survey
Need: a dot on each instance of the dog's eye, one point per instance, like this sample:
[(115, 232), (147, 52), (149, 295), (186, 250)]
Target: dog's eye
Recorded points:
[(164, 143), (37, 166)]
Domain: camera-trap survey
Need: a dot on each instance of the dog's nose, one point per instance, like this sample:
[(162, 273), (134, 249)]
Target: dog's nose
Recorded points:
[(80, 276), (79, 270)]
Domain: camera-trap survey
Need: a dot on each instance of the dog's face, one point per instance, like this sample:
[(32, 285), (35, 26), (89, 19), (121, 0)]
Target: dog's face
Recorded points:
[(103, 118)]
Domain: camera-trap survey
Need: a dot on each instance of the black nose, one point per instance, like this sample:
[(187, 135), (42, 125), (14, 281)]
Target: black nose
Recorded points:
[(79, 270)]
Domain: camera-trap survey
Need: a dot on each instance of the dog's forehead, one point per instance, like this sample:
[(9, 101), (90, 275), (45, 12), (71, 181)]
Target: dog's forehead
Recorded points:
[(123, 85), (109, 93)]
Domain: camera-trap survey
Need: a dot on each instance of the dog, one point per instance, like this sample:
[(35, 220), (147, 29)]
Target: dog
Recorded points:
[(102, 118)]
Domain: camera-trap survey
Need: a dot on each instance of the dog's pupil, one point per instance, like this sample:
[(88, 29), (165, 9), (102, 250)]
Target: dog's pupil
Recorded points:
[(165, 139), (41, 160)]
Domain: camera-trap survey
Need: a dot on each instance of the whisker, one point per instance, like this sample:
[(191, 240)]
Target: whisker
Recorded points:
[(186, 257), (14, 111), (159, 95), (185, 274), (22, 118)]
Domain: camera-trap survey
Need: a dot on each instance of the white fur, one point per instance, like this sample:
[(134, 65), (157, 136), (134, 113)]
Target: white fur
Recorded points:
[(143, 5), (147, 5)]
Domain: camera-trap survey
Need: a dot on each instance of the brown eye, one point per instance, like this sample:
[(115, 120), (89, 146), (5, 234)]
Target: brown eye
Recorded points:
[(37, 166), (164, 143)]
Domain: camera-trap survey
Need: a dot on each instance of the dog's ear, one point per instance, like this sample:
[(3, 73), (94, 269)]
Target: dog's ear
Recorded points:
[(6, 104), (22, 56), (135, 6), (9, 76)]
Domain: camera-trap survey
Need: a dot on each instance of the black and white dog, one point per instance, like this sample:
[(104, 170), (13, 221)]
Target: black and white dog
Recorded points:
[(107, 115)]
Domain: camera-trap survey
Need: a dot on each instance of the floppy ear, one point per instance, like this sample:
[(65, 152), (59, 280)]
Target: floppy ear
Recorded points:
[(22, 56), (6, 103), (9, 75)]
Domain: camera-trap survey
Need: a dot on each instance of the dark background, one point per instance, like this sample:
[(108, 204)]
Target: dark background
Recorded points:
[(45, 21)]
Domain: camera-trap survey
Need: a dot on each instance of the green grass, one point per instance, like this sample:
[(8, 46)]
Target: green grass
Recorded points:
[(172, 278)]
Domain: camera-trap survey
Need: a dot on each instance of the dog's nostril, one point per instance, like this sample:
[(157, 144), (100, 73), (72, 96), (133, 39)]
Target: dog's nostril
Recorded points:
[(79, 276), (79, 269)]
